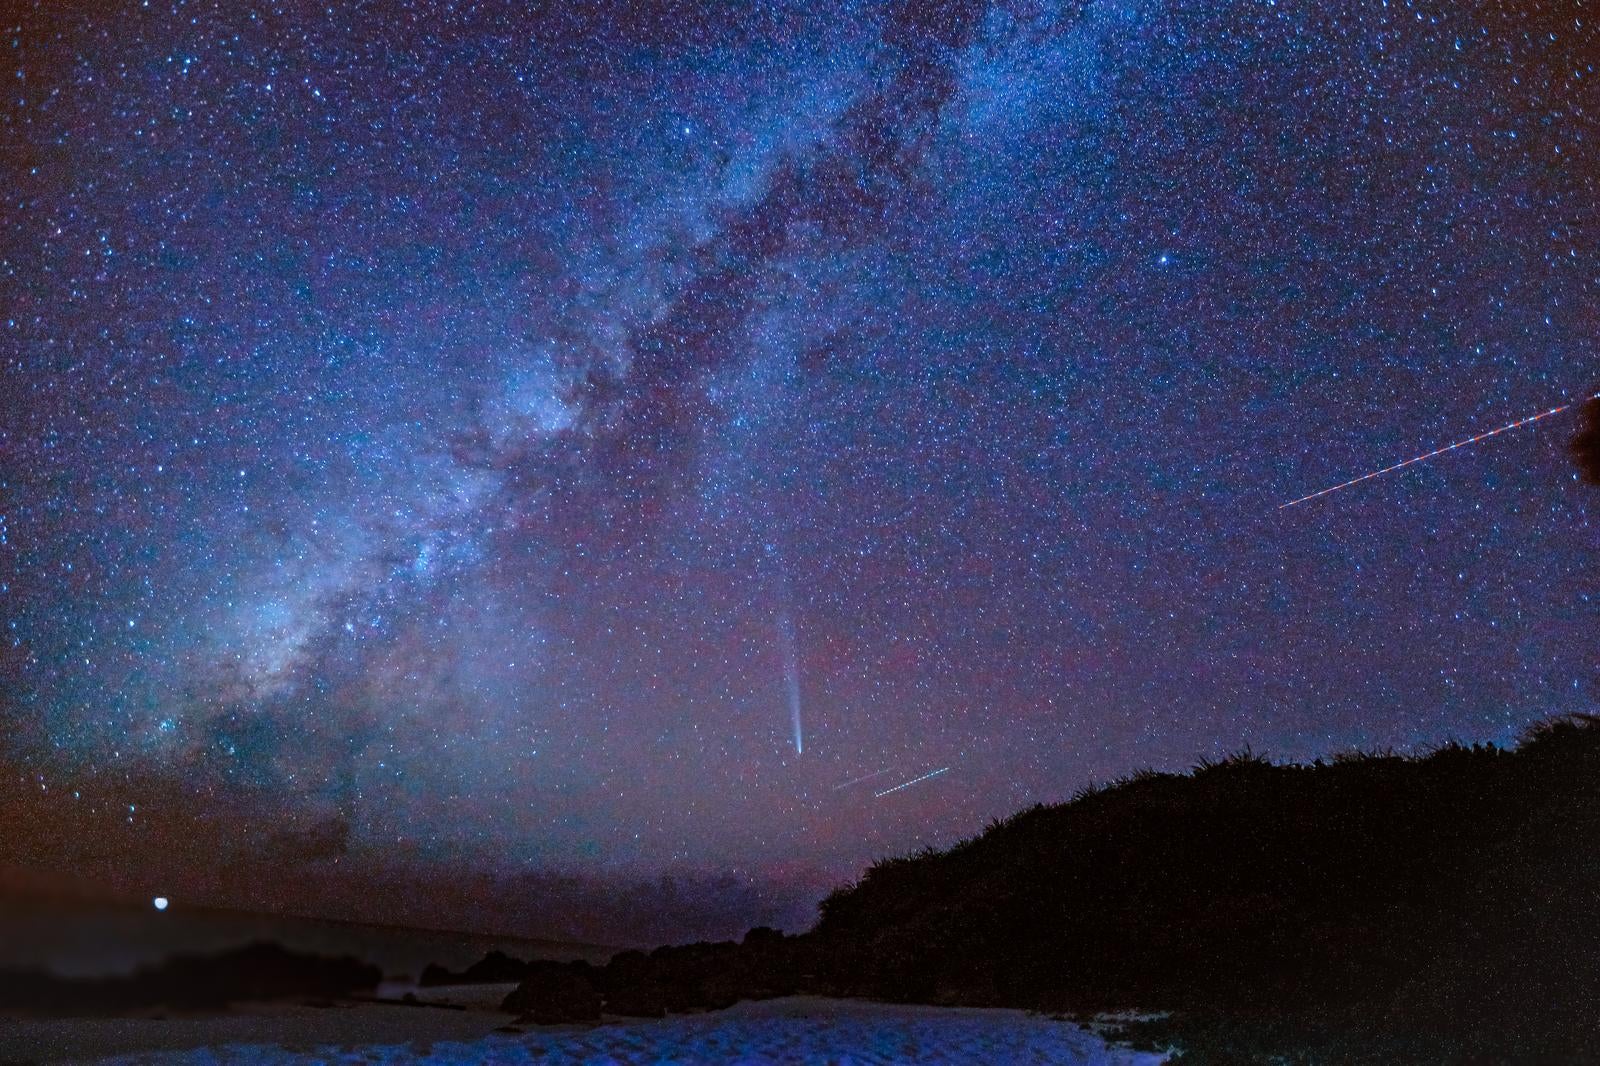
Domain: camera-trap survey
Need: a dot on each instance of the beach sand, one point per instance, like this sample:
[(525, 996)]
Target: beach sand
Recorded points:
[(793, 1030)]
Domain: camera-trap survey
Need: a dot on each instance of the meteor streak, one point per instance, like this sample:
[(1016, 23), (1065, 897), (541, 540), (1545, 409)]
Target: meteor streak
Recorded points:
[(1437, 451), (908, 784), (859, 780)]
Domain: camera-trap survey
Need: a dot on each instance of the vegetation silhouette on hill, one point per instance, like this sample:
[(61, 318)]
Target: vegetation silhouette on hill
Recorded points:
[(1458, 890)]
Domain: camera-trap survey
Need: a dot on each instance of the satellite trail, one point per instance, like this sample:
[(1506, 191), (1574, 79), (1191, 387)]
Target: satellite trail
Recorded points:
[(908, 784), (1437, 451)]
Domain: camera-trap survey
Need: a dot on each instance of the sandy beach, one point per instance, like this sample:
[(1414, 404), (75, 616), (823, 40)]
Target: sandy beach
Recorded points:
[(793, 1030)]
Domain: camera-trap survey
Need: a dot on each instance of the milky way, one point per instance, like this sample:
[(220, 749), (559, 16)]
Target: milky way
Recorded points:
[(462, 440)]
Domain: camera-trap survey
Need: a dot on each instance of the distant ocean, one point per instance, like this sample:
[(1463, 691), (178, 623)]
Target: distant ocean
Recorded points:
[(85, 939)]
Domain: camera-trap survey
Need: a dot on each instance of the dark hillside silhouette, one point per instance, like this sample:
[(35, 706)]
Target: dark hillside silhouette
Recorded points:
[(1459, 891)]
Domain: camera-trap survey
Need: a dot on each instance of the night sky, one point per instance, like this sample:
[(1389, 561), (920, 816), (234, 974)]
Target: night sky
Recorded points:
[(464, 465)]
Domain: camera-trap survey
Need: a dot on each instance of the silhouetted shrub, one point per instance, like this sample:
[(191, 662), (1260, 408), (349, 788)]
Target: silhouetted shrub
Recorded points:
[(1586, 442)]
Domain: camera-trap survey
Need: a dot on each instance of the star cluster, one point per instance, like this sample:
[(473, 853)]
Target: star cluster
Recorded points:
[(489, 441)]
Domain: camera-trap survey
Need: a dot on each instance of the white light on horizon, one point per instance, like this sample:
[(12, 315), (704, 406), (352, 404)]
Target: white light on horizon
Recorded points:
[(161, 903)]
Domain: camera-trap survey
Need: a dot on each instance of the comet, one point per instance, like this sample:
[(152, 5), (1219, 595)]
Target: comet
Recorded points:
[(1437, 452), (791, 675), (908, 784), (786, 649)]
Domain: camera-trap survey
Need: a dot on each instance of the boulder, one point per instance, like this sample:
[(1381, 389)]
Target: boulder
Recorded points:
[(554, 995)]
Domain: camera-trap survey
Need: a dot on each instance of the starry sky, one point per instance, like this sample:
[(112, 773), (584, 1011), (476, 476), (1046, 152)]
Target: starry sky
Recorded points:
[(492, 461)]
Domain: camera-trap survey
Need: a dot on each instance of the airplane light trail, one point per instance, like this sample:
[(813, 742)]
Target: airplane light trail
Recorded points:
[(1439, 451), (908, 784)]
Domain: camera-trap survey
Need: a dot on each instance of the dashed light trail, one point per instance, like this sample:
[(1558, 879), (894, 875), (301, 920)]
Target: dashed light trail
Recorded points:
[(908, 784), (1437, 451)]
